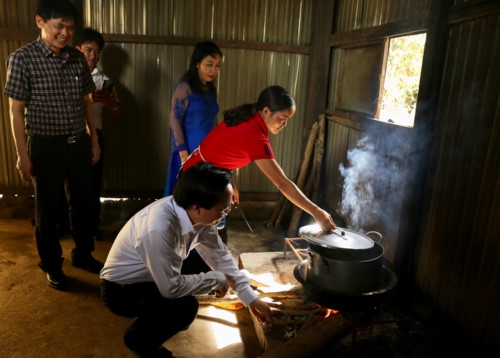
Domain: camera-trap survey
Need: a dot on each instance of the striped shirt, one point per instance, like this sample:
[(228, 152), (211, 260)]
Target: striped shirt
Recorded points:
[(52, 87)]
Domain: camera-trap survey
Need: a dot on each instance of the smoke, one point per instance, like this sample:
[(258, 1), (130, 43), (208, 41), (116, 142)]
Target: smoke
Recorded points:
[(373, 184)]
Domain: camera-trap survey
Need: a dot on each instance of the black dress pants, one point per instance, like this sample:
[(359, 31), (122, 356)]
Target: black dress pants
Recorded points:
[(157, 318), (97, 170), (58, 162)]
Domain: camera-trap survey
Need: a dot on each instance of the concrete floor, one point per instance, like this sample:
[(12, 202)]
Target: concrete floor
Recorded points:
[(39, 321)]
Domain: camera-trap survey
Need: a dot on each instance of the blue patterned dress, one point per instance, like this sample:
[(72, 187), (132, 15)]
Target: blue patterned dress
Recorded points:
[(192, 117)]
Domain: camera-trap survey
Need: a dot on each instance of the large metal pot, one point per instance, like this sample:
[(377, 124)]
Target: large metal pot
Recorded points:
[(343, 261)]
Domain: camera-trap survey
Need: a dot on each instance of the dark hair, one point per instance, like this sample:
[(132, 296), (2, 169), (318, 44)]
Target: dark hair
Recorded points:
[(202, 184), (275, 98), (88, 35), (201, 50), (56, 9)]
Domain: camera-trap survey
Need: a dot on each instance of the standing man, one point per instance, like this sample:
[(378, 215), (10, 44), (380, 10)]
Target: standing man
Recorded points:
[(142, 275), (48, 85), (90, 42)]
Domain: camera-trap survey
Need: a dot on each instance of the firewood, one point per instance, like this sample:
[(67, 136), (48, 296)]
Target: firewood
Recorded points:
[(312, 339), (291, 291), (281, 213), (290, 312), (319, 151), (314, 177), (269, 222), (307, 156)]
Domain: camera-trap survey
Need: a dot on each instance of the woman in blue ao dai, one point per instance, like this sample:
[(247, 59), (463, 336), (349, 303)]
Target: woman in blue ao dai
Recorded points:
[(194, 107)]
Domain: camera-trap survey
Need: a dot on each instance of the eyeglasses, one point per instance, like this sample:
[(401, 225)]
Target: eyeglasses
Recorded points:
[(226, 210)]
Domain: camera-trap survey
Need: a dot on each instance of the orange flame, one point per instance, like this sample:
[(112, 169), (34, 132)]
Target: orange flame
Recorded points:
[(327, 311)]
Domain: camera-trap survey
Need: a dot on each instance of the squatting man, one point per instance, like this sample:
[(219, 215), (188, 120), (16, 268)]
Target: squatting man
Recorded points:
[(142, 277)]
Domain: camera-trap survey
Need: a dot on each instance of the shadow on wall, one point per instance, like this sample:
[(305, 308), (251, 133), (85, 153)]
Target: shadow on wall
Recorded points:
[(118, 131), (134, 140)]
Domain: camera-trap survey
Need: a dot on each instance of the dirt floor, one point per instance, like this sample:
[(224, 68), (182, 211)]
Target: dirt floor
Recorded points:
[(39, 321)]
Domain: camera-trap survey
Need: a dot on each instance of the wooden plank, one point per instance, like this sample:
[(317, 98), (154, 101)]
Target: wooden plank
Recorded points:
[(319, 62), (470, 11), (191, 41), (17, 34), (375, 33)]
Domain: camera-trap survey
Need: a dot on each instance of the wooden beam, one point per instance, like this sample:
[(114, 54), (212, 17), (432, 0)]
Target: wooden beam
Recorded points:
[(422, 138), (191, 41), (376, 33), (18, 34), (469, 11), (31, 35)]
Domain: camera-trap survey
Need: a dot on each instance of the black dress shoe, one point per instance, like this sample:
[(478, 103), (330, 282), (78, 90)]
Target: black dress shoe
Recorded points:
[(159, 352), (57, 279), (87, 263)]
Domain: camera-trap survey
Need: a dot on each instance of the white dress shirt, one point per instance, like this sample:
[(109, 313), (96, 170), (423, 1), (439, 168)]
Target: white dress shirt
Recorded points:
[(153, 244)]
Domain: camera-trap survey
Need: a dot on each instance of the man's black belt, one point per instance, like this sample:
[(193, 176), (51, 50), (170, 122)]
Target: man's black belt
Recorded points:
[(65, 138)]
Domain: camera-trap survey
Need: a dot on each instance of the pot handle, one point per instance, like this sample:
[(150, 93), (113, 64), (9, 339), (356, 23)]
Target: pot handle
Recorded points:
[(324, 267), (311, 257), (376, 234)]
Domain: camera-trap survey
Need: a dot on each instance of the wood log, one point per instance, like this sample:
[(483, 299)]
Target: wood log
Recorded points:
[(297, 212), (312, 339), (281, 212), (269, 222), (305, 186), (307, 156), (318, 157), (292, 291), (294, 312), (295, 292)]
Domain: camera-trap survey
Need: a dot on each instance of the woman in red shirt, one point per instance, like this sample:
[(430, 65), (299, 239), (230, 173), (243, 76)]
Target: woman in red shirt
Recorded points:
[(243, 138)]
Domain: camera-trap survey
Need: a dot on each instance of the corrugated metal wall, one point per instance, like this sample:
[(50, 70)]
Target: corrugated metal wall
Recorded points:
[(14, 15), (357, 14), (457, 261), (152, 71), (138, 145)]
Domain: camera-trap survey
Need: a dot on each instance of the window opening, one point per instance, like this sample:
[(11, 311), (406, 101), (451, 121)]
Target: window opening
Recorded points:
[(402, 78)]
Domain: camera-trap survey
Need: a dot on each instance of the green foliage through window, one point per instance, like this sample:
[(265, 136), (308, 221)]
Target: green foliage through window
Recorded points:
[(402, 78)]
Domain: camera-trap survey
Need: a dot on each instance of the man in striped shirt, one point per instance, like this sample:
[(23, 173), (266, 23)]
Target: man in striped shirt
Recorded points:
[(48, 83)]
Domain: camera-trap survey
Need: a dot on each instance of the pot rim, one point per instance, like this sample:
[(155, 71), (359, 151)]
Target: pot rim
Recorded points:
[(339, 239), (344, 255)]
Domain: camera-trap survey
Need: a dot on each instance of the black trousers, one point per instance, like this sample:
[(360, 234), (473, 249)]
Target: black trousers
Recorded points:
[(56, 164), (157, 318), (97, 170)]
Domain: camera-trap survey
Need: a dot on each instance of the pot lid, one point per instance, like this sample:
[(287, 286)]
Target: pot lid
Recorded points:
[(339, 238)]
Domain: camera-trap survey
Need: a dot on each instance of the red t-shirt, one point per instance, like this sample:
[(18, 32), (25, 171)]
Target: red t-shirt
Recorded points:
[(234, 147)]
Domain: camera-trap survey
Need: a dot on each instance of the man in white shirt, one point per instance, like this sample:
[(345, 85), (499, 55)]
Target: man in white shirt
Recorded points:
[(90, 42), (142, 275)]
